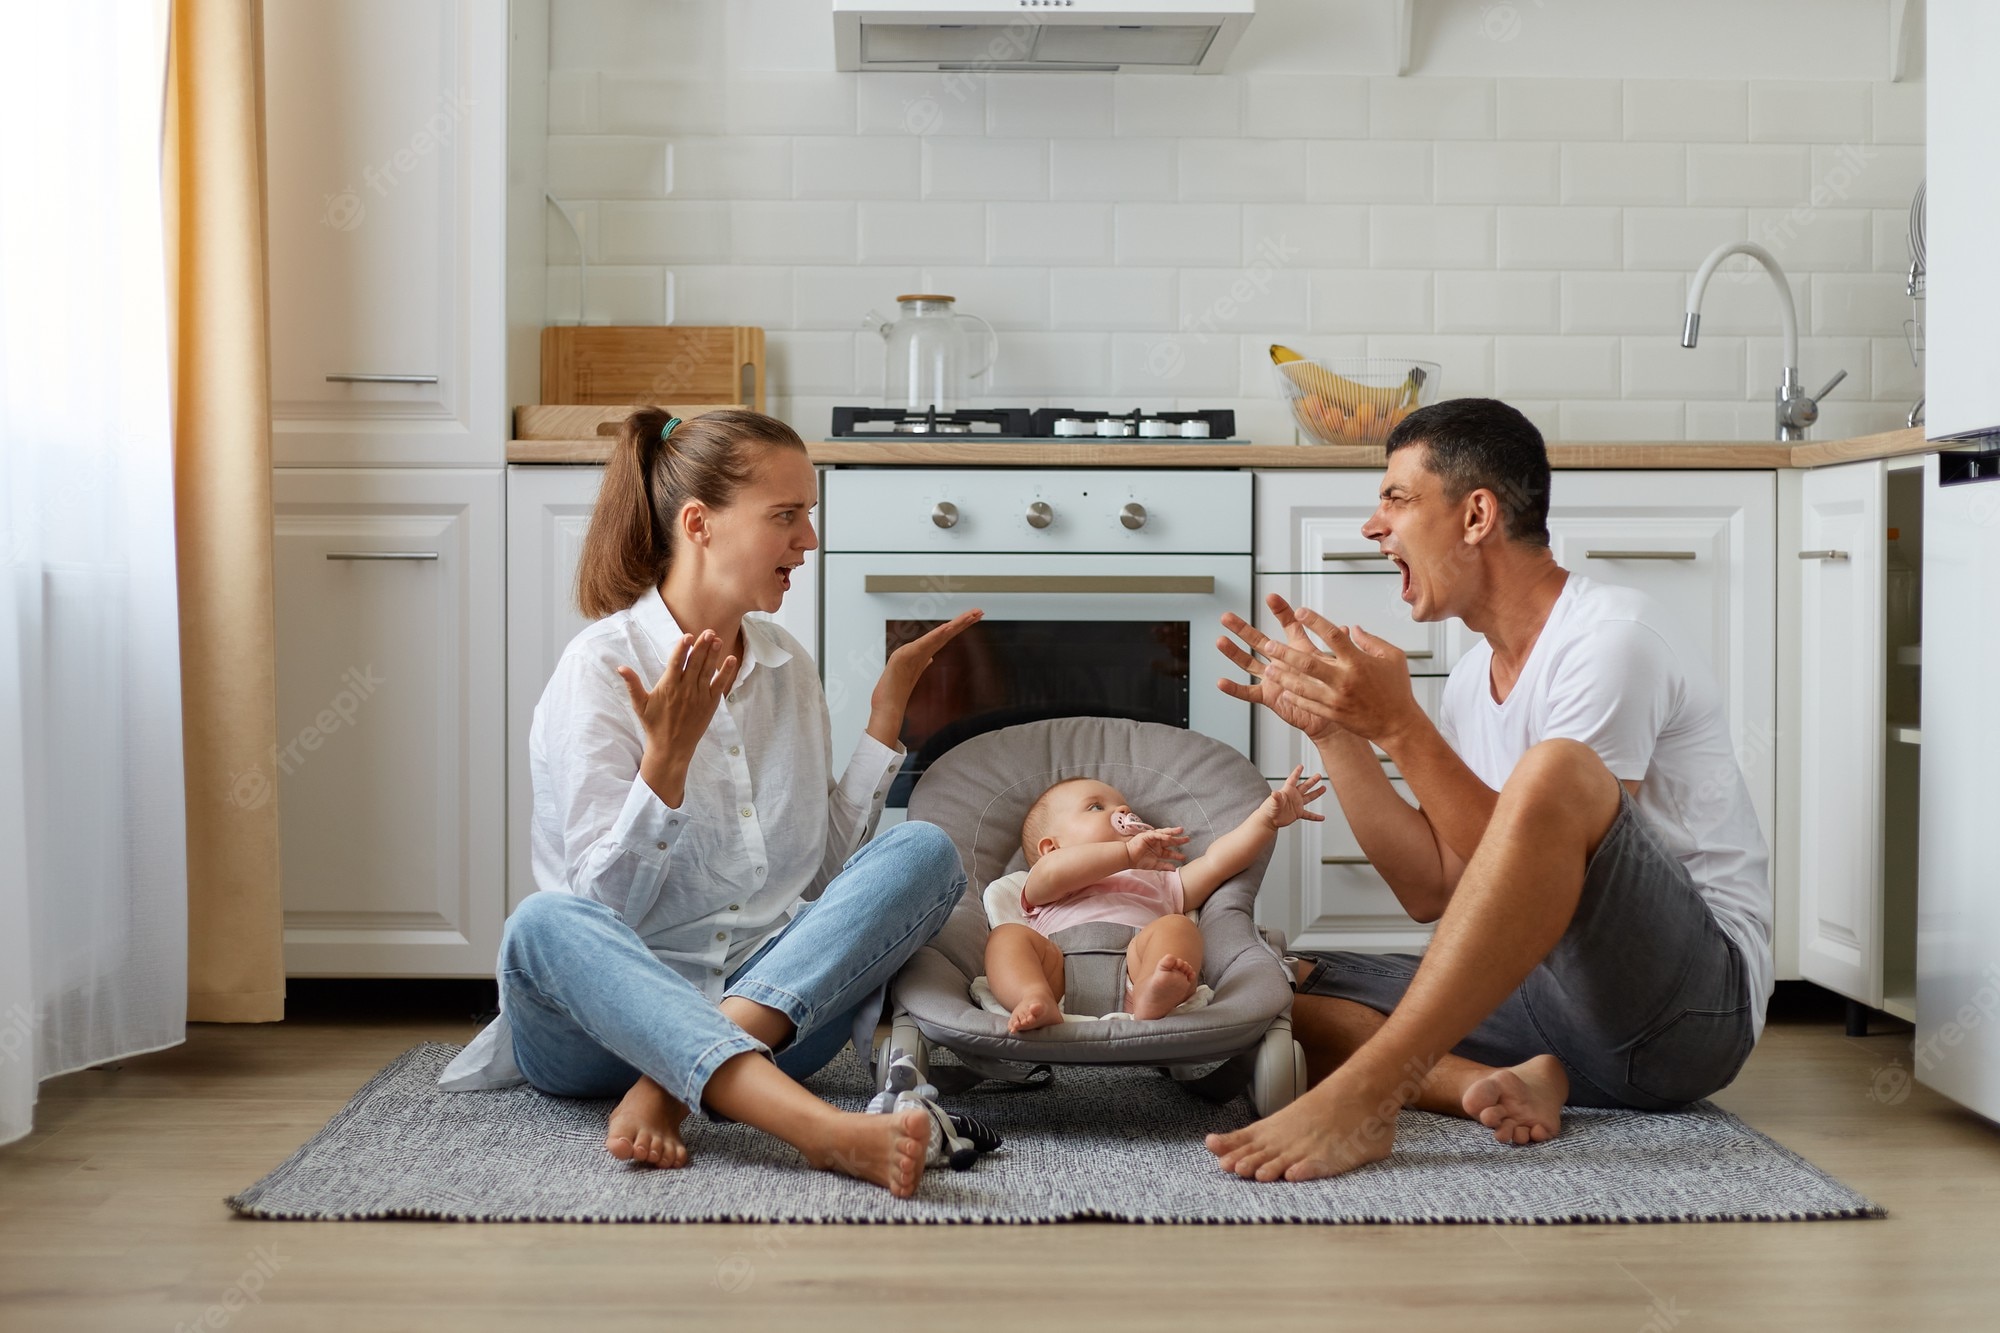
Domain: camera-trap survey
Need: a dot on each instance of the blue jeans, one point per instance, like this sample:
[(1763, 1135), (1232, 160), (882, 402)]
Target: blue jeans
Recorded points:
[(592, 1009)]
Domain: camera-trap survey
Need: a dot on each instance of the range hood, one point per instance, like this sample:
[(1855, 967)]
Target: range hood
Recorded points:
[(982, 36)]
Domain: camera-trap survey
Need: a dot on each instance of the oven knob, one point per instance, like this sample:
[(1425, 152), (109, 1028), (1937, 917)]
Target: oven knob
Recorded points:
[(1133, 516), (945, 515), (1040, 515)]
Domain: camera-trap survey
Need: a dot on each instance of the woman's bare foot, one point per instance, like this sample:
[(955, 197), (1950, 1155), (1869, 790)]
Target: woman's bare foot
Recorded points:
[(1164, 991), (1522, 1104), (885, 1150), (646, 1127), (1034, 1012)]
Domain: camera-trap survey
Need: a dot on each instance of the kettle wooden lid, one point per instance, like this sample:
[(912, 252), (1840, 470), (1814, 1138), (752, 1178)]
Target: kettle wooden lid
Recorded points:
[(924, 296)]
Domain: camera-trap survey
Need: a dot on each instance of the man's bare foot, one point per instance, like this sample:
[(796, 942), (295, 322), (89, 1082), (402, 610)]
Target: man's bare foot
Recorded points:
[(1162, 993), (1332, 1129), (646, 1127), (1035, 1012), (885, 1150), (1522, 1104)]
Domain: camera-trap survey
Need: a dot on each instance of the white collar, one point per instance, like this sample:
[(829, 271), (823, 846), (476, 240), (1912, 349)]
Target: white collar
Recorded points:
[(760, 643)]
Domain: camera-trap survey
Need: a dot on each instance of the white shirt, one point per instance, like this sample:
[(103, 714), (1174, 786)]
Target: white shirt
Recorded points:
[(761, 826), (1610, 670)]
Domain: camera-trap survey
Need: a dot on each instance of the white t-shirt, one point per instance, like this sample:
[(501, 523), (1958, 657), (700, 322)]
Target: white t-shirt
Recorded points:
[(1611, 671)]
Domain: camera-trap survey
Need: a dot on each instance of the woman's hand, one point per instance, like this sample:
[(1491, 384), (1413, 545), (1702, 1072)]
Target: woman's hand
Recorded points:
[(1156, 849), (676, 711), (900, 675), (1288, 803)]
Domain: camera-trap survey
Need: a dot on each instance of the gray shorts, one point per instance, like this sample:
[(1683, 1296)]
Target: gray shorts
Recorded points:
[(1644, 998)]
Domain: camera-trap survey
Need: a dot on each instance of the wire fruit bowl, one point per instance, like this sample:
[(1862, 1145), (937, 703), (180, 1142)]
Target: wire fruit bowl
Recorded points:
[(1353, 400)]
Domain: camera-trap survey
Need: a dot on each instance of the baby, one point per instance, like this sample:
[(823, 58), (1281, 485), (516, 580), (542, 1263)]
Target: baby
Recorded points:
[(1091, 859)]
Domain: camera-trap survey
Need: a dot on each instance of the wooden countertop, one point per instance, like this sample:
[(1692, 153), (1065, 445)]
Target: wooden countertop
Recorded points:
[(969, 453)]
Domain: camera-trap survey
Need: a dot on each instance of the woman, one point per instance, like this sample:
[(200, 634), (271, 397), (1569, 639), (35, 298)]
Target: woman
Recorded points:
[(702, 901)]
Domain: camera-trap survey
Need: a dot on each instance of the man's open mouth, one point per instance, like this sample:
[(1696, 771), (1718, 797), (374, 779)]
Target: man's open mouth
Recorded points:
[(1403, 569)]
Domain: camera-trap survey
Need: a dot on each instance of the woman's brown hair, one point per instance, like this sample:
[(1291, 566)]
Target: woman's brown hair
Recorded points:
[(648, 481)]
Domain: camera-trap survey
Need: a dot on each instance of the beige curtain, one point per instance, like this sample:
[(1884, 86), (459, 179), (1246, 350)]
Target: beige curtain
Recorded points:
[(214, 177)]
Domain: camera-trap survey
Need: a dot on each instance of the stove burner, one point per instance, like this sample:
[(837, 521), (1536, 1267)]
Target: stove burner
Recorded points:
[(868, 421), (1042, 423)]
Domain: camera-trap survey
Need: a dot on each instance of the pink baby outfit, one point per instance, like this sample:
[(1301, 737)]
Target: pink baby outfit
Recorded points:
[(1130, 897)]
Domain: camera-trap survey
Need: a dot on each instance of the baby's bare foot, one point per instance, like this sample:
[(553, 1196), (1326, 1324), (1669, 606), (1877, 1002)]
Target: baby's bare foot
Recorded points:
[(885, 1150), (1163, 992), (1034, 1013), (646, 1127)]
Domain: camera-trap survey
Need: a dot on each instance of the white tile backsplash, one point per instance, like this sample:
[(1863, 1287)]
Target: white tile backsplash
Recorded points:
[(1048, 106), (1748, 174), (1809, 112), (956, 168), (1226, 169), (1146, 238), (1205, 234), (1560, 109), (1048, 233)]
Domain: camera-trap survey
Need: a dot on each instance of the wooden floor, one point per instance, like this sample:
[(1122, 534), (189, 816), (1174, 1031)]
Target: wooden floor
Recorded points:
[(111, 1217)]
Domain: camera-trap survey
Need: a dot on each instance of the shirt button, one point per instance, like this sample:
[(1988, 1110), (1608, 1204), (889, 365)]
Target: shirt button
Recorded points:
[(735, 907), (715, 971), (746, 812), (721, 934), (736, 749), (661, 845)]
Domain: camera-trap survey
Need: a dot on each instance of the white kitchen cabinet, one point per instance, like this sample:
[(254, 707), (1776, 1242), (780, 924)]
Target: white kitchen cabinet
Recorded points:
[(1700, 543), (1851, 777), (548, 513), (386, 155), (388, 769)]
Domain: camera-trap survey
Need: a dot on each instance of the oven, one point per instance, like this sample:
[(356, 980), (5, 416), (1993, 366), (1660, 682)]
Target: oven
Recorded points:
[(1101, 589)]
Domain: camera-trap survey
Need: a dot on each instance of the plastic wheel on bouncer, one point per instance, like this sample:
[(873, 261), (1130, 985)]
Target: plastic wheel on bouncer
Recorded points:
[(1280, 1075)]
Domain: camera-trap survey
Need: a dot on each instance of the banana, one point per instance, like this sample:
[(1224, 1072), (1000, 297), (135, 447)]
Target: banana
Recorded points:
[(1338, 409)]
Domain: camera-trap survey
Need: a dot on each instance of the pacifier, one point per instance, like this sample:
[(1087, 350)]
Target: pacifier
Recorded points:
[(1126, 824)]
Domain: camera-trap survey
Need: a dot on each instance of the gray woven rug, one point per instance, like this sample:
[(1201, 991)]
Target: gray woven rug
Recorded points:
[(1100, 1144)]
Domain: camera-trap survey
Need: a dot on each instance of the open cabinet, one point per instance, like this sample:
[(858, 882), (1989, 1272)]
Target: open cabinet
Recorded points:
[(1853, 769)]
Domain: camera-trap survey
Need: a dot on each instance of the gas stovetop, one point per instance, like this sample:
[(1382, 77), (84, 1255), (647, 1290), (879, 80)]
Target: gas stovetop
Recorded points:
[(1039, 423)]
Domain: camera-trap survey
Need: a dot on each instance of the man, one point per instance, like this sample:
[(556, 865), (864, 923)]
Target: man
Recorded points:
[(1583, 836)]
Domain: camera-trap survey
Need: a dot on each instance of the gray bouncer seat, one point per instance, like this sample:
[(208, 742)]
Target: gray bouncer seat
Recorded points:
[(979, 793)]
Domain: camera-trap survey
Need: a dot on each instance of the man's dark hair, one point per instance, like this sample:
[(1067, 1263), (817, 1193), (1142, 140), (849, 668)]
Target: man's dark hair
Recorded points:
[(1482, 443)]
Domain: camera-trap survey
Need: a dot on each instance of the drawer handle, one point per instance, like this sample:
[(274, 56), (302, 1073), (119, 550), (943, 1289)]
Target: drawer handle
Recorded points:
[(381, 555), (346, 378), (1418, 655), (1345, 861), (1200, 585), (1639, 555), (1822, 555), (1353, 555)]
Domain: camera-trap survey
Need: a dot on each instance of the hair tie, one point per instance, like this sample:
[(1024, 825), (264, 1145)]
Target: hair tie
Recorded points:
[(668, 428)]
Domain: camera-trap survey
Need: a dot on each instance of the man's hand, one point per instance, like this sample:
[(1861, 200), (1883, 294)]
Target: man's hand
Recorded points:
[(1261, 690), (1156, 849), (1288, 803), (1347, 679)]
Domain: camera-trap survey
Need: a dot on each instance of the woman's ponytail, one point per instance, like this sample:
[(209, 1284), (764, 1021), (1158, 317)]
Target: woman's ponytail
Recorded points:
[(649, 479)]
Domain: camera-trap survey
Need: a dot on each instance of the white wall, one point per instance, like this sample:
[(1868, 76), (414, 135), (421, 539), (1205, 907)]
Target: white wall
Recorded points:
[(1532, 233)]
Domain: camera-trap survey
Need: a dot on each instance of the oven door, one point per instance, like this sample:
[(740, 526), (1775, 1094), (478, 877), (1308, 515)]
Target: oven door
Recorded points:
[(1063, 636)]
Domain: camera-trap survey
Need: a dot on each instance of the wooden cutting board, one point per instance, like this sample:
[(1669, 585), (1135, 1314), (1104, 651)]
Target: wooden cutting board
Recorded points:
[(642, 364)]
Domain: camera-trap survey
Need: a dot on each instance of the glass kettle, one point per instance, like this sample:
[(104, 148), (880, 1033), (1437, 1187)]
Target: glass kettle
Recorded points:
[(928, 354)]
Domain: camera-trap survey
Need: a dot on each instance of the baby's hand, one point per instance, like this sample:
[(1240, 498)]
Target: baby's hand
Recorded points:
[(1288, 803), (1156, 849)]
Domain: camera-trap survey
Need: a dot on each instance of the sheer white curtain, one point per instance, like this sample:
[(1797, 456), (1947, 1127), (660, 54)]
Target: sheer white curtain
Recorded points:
[(93, 866)]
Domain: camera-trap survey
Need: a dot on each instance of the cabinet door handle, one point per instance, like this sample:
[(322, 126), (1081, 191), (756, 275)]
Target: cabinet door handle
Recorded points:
[(1199, 585), (1353, 555), (1822, 555), (342, 377), (1418, 655), (381, 555), (1345, 861), (1639, 555)]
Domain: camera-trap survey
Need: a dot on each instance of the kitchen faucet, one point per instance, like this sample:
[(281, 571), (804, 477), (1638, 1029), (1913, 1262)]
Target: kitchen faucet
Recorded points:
[(1796, 408)]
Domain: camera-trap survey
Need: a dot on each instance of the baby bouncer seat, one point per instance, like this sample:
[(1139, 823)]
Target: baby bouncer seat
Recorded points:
[(979, 793)]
